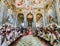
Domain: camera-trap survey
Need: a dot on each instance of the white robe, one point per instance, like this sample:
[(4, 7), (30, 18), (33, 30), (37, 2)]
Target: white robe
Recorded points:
[(5, 43)]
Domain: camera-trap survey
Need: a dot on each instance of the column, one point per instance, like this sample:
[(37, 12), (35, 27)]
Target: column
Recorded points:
[(58, 11), (34, 20), (1, 13), (0, 18), (44, 19), (25, 20), (16, 20)]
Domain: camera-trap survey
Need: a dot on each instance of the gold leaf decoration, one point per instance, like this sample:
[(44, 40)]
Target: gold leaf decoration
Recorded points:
[(38, 16)]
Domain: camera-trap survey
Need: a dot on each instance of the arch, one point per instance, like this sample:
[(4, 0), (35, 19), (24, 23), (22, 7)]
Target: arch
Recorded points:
[(38, 16), (21, 17), (29, 17)]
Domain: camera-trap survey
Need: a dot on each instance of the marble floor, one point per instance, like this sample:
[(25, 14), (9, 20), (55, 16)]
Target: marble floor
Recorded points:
[(24, 39)]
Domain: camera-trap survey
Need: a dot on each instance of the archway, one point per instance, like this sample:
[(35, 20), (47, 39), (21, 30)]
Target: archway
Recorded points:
[(30, 19), (39, 20), (21, 19)]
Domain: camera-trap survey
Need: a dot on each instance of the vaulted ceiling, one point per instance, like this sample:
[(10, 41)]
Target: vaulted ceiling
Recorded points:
[(28, 4), (42, 3)]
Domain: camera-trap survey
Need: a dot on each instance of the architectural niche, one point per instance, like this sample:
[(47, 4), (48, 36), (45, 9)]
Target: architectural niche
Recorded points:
[(30, 17), (39, 20), (20, 19)]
